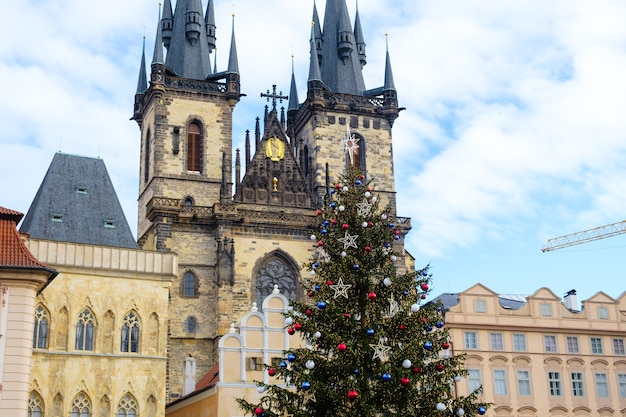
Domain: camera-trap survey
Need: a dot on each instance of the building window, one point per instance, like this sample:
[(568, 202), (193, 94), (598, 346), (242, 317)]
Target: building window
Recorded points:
[(81, 407), (35, 405), (554, 383), (471, 341), (549, 343), (189, 284), (572, 344), (81, 189), (578, 388), (480, 306), (500, 385), (191, 324), (109, 224), (146, 167), (602, 385), (621, 382), (519, 342), (85, 330), (618, 347), (546, 310), (127, 407), (194, 150), (596, 346), (254, 364), (474, 380), (40, 333), (354, 148), (277, 270), (523, 382), (496, 341), (130, 333), (603, 313), (56, 217)]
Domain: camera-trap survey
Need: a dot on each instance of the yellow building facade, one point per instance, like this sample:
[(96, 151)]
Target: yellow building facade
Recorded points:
[(100, 343), (539, 355)]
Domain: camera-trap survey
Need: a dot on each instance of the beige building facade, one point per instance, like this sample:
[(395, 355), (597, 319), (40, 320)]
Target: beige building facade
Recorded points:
[(100, 343), (539, 355)]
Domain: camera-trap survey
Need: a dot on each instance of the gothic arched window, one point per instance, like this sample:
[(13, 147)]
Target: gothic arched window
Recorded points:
[(81, 407), (85, 330), (40, 331), (146, 165), (35, 405), (194, 147), (130, 333), (276, 271), (127, 407), (355, 151), (191, 324), (189, 284)]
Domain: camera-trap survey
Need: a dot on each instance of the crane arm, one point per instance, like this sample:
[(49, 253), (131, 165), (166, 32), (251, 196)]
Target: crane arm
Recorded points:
[(585, 236)]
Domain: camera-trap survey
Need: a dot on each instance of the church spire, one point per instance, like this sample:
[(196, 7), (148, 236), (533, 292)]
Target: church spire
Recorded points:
[(167, 22), (293, 91), (209, 20), (157, 57), (317, 33), (359, 38), (142, 82), (389, 84), (314, 66), (233, 62)]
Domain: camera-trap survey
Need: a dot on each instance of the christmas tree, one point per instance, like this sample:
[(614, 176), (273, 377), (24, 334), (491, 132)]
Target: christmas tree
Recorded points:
[(371, 348)]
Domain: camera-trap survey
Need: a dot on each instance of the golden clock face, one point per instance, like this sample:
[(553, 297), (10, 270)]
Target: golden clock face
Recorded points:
[(275, 149)]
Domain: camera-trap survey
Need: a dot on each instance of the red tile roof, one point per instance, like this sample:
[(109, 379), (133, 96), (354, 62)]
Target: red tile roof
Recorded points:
[(13, 252), (211, 378)]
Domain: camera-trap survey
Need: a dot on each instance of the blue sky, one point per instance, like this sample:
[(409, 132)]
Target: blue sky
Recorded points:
[(514, 130)]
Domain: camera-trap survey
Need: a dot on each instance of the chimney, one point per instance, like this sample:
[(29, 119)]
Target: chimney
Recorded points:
[(570, 300), (190, 375)]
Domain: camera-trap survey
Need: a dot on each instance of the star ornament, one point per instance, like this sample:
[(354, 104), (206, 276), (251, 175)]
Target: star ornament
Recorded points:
[(350, 145), (341, 289), (322, 255), (349, 241), (364, 208), (380, 350)]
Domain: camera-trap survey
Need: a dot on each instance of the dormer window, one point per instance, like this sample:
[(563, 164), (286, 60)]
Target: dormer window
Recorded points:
[(109, 224), (81, 189), (56, 217)]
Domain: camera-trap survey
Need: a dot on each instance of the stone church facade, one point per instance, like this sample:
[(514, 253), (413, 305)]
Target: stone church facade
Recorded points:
[(237, 234)]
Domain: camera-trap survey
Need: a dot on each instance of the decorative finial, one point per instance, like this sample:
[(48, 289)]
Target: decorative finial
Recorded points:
[(275, 184), (233, 9), (276, 290)]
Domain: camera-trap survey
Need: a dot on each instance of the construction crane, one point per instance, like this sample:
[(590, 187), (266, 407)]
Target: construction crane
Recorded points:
[(585, 236)]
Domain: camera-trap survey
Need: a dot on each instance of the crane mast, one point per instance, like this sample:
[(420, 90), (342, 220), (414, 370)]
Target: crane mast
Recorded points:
[(589, 235)]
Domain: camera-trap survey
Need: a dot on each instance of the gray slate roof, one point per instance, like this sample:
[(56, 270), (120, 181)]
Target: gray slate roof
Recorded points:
[(76, 202)]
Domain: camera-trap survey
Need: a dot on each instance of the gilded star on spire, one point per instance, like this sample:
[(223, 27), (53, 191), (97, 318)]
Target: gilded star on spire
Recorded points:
[(340, 289), (349, 241), (364, 208), (380, 350)]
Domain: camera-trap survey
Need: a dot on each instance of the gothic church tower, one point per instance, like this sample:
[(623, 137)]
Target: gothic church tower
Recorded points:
[(237, 237)]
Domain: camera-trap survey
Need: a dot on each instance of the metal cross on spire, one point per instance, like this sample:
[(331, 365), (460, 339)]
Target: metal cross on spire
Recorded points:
[(274, 96)]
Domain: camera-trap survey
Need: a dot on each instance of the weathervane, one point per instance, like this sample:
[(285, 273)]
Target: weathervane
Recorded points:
[(274, 96)]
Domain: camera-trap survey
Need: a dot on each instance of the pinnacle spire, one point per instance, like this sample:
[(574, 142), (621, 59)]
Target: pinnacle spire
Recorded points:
[(209, 20), (293, 91), (233, 62), (359, 38), (142, 82), (167, 22), (317, 34), (157, 57), (389, 84), (314, 67)]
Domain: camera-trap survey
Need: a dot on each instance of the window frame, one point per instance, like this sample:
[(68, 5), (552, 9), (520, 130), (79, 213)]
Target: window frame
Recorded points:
[(595, 344), (555, 384), (189, 283), (603, 313), (602, 384), (500, 382), (618, 346), (523, 382), (194, 147), (621, 384), (41, 334), (545, 309), (130, 333), (519, 342), (550, 343), (496, 341), (470, 340), (573, 344), (84, 339), (480, 306), (578, 384), (474, 379)]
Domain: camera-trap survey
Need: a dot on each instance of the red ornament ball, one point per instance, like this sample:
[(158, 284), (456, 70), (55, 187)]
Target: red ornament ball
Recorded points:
[(344, 226), (333, 222), (370, 224), (396, 232), (320, 243), (337, 186), (367, 249), (329, 282), (369, 188), (371, 296), (258, 411), (352, 394), (362, 177), (423, 319), (297, 326), (341, 347), (308, 312), (402, 327), (310, 293), (423, 296), (405, 381), (440, 368), (446, 345), (346, 315), (424, 287), (291, 330), (416, 370), (319, 212), (271, 372)]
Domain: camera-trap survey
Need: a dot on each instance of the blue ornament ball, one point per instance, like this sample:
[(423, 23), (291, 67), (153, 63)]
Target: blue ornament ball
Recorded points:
[(370, 332), (326, 223), (316, 265), (439, 324), (428, 345), (317, 288), (358, 182), (439, 309), (321, 305), (387, 245), (291, 357), (396, 237), (355, 266), (386, 377), (429, 328), (405, 292), (482, 410), (355, 371), (425, 273), (283, 364), (333, 205), (324, 231), (306, 385), (391, 225)]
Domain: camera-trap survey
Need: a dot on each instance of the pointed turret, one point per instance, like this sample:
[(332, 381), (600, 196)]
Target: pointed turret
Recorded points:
[(293, 91), (340, 66), (314, 66), (233, 62), (188, 52), (157, 56), (167, 23), (209, 20), (389, 84), (142, 82), (317, 33), (359, 38)]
